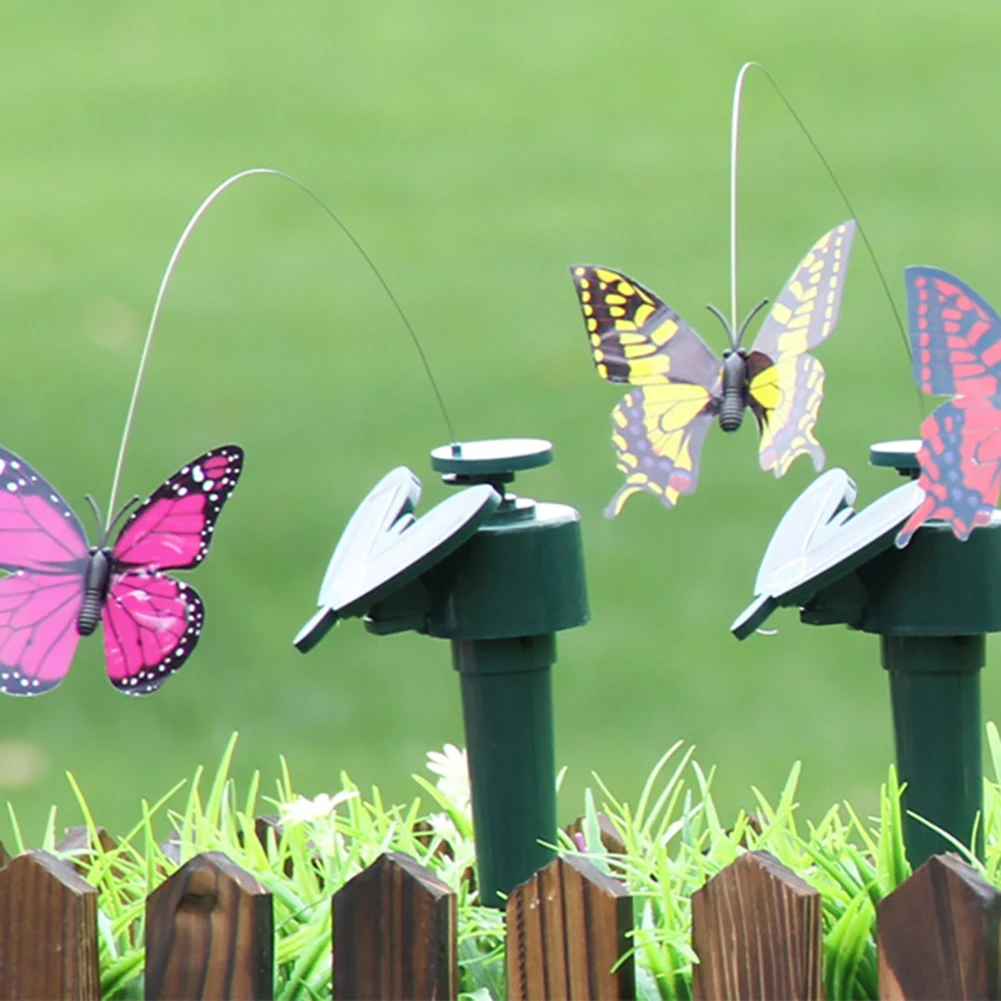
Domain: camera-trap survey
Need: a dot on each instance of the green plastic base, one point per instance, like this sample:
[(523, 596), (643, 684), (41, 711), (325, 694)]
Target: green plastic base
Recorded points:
[(507, 707), (935, 693)]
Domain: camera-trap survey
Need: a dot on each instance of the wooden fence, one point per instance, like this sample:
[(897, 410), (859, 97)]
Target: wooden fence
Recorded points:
[(756, 930)]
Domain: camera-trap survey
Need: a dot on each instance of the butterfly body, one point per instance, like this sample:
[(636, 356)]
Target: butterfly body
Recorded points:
[(739, 369), (681, 385), (97, 580), (60, 587), (734, 402)]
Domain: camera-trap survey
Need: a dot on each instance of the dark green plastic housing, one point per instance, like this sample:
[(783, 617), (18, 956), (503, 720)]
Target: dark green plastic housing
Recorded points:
[(498, 576), (500, 599)]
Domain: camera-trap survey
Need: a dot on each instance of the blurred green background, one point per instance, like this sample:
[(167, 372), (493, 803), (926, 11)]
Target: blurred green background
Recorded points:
[(477, 150)]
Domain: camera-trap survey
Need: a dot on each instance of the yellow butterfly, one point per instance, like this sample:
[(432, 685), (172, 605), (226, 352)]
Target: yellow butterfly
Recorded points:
[(659, 428)]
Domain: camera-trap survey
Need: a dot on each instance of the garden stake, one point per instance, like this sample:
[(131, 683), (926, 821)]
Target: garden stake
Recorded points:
[(931, 605), (499, 576)]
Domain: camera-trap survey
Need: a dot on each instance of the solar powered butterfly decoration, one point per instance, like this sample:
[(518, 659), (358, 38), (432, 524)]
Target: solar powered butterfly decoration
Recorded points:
[(956, 351), (682, 385), (59, 586)]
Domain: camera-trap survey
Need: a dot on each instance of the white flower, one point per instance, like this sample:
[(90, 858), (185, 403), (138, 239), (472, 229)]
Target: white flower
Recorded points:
[(302, 810), (442, 826), (453, 770)]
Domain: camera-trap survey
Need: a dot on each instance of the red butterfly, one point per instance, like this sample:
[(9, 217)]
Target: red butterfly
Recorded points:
[(956, 347), (59, 585)]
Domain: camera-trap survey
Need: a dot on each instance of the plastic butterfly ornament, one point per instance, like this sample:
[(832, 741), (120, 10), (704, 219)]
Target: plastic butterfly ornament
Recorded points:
[(658, 429), (60, 586), (956, 351)]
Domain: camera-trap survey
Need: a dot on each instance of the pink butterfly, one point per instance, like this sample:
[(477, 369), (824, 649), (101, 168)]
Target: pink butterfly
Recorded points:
[(59, 585)]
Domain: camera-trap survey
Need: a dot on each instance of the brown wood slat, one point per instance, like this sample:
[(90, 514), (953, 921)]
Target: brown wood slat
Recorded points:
[(566, 928), (937, 934), (48, 931), (756, 928), (394, 933), (210, 933), (4, 856)]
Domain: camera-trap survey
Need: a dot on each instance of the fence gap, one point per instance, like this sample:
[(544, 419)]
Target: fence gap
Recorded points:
[(566, 928), (756, 928), (77, 841), (210, 933), (611, 841), (937, 934), (48, 931), (394, 933)]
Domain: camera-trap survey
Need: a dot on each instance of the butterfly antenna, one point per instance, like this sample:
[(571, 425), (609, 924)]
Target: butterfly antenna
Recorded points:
[(718, 313), (734, 144), (747, 321), (168, 274), (121, 512), (102, 534)]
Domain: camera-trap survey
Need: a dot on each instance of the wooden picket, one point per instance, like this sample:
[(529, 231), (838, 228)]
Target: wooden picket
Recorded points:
[(756, 929), (394, 933), (48, 931), (951, 950), (567, 931), (210, 933)]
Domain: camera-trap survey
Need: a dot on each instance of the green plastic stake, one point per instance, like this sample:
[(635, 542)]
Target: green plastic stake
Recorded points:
[(502, 598), (498, 576), (935, 694), (934, 603)]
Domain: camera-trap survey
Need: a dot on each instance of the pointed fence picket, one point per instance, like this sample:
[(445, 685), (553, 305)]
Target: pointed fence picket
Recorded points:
[(756, 930), (210, 933), (48, 930)]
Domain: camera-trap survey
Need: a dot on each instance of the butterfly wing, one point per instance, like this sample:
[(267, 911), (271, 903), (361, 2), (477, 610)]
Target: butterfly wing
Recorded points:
[(960, 459), (151, 625), (38, 633), (955, 335), (172, 528), (658, 433), (786, 386), (658, 429), (44, 548), (151, 621), (637, 338), (38, 529), (793, 388), (956, 349)]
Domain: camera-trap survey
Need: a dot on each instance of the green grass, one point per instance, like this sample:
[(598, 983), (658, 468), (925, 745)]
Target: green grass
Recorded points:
[(477, 151)]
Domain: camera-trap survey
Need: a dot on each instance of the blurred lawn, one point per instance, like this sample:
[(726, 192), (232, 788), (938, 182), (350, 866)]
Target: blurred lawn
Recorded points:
[(477, 151)]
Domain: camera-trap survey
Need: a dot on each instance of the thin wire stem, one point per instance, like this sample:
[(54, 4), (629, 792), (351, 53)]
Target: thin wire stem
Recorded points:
[(734, 149), (738, 92), (168, 274)]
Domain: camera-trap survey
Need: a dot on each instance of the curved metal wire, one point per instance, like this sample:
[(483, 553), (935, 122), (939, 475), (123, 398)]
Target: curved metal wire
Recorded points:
[(738, 91), (168, 274)]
